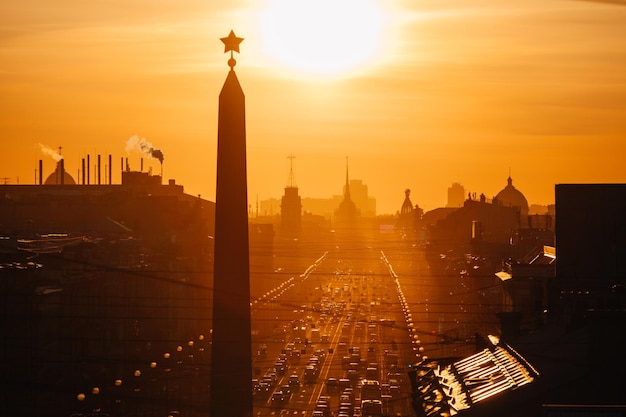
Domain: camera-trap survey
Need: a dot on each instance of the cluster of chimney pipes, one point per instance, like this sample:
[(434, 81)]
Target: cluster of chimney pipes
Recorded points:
[(85, 172)]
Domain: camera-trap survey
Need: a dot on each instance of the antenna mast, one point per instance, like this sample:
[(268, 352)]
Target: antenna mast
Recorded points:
[(291, 182)]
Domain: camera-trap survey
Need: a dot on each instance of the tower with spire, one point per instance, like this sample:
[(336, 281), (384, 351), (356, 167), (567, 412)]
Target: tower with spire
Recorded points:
[(231, 357), (291, 206), (346, 214)]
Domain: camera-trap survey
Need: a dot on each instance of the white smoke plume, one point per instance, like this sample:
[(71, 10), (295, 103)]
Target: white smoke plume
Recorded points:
[(143, 146), (51, 152)]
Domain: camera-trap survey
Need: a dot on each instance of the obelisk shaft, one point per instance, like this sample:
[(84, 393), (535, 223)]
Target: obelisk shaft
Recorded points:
[(231, 363)]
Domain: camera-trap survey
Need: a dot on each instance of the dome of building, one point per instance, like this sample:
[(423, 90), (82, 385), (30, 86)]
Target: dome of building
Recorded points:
[(60, 176), (511, 197)]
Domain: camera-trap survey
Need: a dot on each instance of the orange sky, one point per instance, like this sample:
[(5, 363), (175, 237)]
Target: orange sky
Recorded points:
[(458, 91)]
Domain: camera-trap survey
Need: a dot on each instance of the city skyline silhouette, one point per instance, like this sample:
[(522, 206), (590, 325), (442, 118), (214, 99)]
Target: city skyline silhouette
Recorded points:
[(447, 241), (450, 93)]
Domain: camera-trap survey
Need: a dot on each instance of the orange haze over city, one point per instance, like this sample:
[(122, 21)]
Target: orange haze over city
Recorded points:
[(416, 94)]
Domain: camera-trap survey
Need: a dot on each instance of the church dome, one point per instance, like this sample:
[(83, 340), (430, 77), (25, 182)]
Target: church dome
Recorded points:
[(511, 197), (60, 176)]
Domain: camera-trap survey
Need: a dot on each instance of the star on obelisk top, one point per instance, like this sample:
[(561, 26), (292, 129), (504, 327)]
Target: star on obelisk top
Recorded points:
[(231, 43)]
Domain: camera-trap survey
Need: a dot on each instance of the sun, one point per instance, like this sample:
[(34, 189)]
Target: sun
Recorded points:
[(324, 37)]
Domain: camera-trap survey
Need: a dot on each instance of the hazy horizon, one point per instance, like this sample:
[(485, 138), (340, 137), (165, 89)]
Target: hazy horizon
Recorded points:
[(416, 95)]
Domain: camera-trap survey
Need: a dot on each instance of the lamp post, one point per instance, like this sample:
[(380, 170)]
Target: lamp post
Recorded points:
[(81, 400), (179, 376), (189, 377), (118, 405), (94, 401), (136, 389), (153, 366)]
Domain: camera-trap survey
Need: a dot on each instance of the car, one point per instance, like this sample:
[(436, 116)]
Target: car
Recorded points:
[(345, 398), (353, 376), (320, 353), (294, 382), (349, 391), (264, 389), (281, 367), (324, 408), (278, 399), (286, 389), (272, 375), (371, 407), (294, 356), (332, 384), (323, 399)]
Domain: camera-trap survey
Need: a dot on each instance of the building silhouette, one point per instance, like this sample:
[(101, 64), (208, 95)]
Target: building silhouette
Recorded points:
[(291, 206), (347, 214), (365, 204), (510, 196), (456, 195), (100, 281)]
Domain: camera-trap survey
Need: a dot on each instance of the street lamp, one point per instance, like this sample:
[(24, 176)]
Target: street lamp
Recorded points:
[(166, 370), (117, 400), (81, 399), (136, 389), (95, 407), (153, 366)]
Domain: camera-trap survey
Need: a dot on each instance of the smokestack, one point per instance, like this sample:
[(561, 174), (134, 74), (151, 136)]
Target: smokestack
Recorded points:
[(122, 164), (83, 162), (141, 165), (40, 172), (99, 168), (110, 169), (61, 172), (88, 169)]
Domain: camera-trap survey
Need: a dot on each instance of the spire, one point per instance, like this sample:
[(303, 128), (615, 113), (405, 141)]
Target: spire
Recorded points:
[(407, 205), (231, 369), (291, 181)]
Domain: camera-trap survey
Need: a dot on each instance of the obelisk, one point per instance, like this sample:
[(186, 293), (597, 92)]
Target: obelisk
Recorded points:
[(231, 360)]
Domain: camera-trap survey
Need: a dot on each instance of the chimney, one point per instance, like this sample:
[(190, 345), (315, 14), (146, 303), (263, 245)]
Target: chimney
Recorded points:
[(141, 165), (99, 168), (83, 170), (40, 172), (88, 169), (61, 179), (110, 169)]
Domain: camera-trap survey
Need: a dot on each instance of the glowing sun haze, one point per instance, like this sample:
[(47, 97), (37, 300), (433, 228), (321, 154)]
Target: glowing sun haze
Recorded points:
[(322, 36), (417, 94)]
